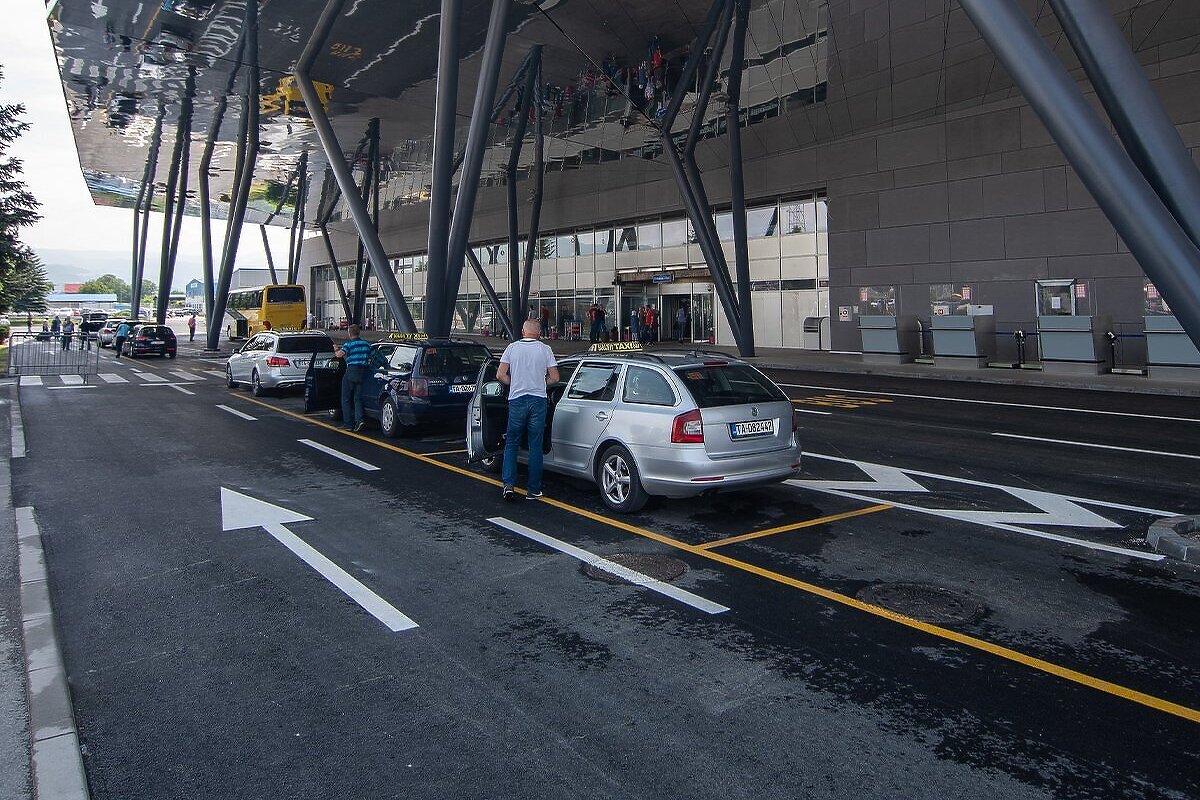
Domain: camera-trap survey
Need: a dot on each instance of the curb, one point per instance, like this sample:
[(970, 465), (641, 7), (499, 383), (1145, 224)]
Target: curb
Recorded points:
[(58, 772), (1169, 537)]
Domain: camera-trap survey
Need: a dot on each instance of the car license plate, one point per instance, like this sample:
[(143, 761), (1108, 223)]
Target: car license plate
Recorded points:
[(747, 430), (462, 388), (302, 363)]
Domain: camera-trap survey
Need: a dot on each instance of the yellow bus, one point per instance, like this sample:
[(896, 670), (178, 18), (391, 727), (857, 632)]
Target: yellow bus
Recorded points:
[(250, 310)]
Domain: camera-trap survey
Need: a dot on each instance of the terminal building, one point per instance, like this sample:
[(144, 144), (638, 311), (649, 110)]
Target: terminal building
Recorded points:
[(893, 161)]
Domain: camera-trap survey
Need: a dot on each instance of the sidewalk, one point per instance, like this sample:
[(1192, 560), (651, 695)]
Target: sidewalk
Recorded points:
[(852, 364)]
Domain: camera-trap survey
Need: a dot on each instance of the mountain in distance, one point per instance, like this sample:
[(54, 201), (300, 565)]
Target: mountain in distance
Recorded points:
[(80, 266)]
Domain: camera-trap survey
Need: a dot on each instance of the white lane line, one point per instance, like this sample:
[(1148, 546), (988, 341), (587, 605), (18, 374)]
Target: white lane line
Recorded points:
[(151, 377), (72, 380), (993, 403), (1098, 446), (31, 380), (591, 559), (810, 411), (214, 373), (187, 376), (339, 454), (179, 388), (112, 377), (17, 427), (60, 388), (237, 413), (370, 602)]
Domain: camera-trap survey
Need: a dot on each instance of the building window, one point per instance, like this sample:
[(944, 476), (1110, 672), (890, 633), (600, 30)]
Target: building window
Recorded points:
[(675, 233)]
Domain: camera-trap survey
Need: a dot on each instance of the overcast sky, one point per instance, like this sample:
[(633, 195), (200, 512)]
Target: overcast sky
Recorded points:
[(76, 238)]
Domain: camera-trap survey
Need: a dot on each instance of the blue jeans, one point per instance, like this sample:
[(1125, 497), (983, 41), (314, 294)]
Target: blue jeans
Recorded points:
[(526, 416), (352, 395)]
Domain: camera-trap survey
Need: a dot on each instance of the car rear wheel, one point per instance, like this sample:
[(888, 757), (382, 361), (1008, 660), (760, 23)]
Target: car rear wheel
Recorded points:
[(619, 481), (229, 381), (389, 418), (256, 386)]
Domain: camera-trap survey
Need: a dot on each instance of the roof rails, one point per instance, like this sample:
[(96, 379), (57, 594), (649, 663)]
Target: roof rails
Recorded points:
[(657, 355)]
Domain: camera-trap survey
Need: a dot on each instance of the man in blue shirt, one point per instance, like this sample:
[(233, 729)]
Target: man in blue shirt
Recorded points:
[(119, 339), (357, 352)]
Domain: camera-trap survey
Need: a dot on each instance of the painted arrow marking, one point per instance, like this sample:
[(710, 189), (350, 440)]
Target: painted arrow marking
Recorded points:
[(239, 511)]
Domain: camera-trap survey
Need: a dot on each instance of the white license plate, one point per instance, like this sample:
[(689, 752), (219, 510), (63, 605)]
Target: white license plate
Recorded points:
[(302, 363), (462, 388), (746, 430)]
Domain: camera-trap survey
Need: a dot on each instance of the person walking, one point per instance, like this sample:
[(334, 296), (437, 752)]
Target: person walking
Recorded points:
[(55, 327), (545, 317), (119, 339), (681, 318), (68, 330), (357, 352), (635, 329), (599, 324), (192, 327), (527, 368)]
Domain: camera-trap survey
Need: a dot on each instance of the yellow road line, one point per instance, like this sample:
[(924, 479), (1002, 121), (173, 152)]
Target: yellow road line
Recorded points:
[(446, 452), (982, 645), (808, 523)]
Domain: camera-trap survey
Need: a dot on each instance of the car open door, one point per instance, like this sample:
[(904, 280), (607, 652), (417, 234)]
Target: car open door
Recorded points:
[(323, 383), (487, 414)]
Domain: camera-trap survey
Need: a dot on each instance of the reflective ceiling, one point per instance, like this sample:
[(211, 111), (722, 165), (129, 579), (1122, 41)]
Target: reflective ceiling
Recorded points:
[(125, 61)]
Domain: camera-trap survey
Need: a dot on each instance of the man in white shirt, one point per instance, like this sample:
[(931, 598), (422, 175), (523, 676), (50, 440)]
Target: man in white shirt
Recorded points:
[(527, 368)]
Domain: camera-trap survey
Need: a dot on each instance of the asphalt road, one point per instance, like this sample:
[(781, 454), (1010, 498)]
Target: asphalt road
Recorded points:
[(211, 663)]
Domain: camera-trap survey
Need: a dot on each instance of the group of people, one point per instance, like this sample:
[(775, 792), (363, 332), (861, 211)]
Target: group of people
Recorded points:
[(643, 324), (597, 329)]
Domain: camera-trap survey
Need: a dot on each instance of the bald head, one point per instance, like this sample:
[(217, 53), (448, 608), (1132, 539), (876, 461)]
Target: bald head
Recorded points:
[(532, 329)]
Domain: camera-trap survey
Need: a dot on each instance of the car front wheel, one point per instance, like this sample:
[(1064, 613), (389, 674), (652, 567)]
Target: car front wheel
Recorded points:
[(619, 481), (229, 381), (256, 386), (389, 418)]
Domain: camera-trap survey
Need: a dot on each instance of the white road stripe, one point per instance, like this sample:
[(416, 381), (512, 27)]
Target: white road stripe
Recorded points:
[(237, 413), (370, 602), (72, 380), (339, 454), (214, 373), (151, 377), (645, 581), (81, 386), (993, 403), (112, 377), (811, 411), (180, 389), (1098, 446), (31, 380), (187, 376)]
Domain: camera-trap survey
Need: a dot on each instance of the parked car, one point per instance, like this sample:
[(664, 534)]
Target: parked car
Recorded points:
[(150, 339), (674, 424), (92, 322), (274, 360), (108, 331)]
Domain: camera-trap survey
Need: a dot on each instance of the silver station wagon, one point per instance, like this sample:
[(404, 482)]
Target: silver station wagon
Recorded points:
[(671, 424)]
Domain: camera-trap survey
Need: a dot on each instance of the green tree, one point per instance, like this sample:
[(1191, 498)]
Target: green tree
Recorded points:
[(20, 271), (107, 284), (149, 289)]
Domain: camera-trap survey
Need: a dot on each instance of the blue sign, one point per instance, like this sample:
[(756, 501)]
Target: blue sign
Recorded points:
[(665, 277)]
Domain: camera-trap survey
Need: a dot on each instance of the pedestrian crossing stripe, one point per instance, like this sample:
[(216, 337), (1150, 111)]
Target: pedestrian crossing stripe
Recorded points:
[(31, 380), (72, 380), (187, 376), (150, 377), (112, 377)]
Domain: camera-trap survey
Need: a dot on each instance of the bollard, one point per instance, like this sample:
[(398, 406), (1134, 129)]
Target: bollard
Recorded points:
[(1020, 337)]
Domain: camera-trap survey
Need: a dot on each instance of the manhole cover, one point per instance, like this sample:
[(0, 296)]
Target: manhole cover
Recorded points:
[(923, 601), (663, 568)]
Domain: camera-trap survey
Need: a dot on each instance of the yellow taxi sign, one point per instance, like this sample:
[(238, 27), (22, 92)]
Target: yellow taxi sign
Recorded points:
[(407, 337), (615, 347)]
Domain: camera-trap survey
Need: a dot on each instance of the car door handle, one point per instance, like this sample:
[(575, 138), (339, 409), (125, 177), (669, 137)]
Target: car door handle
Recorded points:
[(602, 415)]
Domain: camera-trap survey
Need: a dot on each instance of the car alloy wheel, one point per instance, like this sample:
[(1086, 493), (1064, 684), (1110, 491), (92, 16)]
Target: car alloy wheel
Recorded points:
[(229, 381), (620, 483), (389, 418), (255, 385)]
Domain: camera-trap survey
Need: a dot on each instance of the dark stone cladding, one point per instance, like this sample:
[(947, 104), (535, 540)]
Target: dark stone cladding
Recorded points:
[(936, 168)]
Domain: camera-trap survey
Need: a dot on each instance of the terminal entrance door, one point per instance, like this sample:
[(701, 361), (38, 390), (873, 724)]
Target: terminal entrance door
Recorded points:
[(703, 322)]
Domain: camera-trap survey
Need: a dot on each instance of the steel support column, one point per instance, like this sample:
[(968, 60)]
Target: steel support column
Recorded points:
[(1153, 236), (245, 175), (139, 255), (341, 171), (337, 274), (468, 179), (1134, 108), (539, 185), (176, 199), (301, 175), (262, 228), (741, 255), (515, 311), (445, 110), (301, 208), (490, 291)]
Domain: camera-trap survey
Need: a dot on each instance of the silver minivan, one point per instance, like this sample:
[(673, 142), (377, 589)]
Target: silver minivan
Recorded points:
[(671, 424)]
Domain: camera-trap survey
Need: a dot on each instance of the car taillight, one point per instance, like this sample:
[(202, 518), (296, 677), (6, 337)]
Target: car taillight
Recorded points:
[(418, 387), (277, 361), (688, 428), (139, 338)]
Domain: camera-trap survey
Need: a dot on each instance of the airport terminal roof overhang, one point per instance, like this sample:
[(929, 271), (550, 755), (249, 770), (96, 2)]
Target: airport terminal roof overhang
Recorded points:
[(123, 62)]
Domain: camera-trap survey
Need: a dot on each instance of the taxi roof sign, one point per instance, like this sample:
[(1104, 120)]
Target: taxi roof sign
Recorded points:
[(616, 347), (407, 337)]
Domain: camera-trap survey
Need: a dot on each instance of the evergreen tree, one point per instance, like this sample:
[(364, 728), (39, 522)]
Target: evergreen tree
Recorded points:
[(21, 273)]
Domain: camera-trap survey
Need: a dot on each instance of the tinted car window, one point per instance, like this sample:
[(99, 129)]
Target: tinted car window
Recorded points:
[(305, 344), (594, 382), (728, 385), (448, 362), (285, 294), (647, 387)]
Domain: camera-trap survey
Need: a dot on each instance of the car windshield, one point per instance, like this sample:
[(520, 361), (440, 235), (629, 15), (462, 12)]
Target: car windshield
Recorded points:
[(450, 361), (728, 385), (305, 344)]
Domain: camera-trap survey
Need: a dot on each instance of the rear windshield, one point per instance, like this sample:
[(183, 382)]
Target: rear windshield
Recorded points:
[(305, 344), (285, 294), (728, 385), (449, 361)]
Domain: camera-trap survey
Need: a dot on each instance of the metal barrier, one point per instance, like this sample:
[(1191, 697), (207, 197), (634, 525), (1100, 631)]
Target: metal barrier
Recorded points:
[(53, 354)]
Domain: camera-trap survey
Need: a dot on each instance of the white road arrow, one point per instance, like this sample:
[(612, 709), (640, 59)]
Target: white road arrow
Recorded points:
[(239, 511)]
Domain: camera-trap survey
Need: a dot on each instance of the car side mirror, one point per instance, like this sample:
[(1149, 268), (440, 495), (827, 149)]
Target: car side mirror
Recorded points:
[(493, 389)]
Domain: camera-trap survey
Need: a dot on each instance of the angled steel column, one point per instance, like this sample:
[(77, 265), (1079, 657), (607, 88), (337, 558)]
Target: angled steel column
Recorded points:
[(337, 273), (539, 184), (172, 214), (446, 106), (468, 179), (297, 212), (514, 155), (262, 228), (1134, 108), (1154, 237), (138, 211), (490, 291), (139, 257), (301, 208), (185, 163), (341, 172), (741, 254), (245, 175)]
